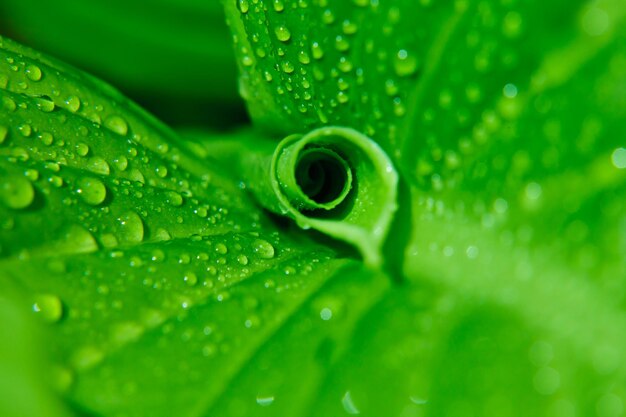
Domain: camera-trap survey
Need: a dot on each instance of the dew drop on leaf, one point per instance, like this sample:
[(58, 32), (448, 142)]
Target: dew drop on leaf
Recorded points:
[(82, 149), (91, 190), (116, 124), (49, 307), (120, 163), (44, 104), (263, 248), (98, 165), (282, 33), (33, 72), (279, 6), (242, 259), (16, 192), (130, 228), (73, 103), (190, 279), (173, 198), (25, 130), (317, 51), (243, 6), (221, 249), (405, 64)]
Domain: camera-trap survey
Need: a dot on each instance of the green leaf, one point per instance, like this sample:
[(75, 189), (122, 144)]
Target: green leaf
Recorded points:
[(333, 180), (161, 283), (506, 120)]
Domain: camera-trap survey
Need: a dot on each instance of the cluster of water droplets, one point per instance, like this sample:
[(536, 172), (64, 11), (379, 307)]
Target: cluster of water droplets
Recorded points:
[(337, 70)]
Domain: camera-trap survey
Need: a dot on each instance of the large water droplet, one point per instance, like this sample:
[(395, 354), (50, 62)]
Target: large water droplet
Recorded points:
[(97, 165), (190, 278), (33, 72), (221, 249), (130, 228), (404, 63), (282, 33), (116, 124), (49, 307), (16, 192), (243, 6), (91, 190), (44, 104), (73, 103), (76, 239), (263, 249)]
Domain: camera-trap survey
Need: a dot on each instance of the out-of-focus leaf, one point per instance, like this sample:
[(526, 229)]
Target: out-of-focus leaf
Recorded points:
[(175, 57)]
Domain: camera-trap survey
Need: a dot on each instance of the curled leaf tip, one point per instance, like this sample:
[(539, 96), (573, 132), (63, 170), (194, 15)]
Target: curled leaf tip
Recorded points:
[(337, 181)]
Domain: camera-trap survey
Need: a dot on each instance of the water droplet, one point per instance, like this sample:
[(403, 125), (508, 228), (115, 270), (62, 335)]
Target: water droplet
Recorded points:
[(130, 228), (328, 17), (304, 58), (161, 171), (345, 65), (317, 51), (16, 192), (73, 103), (242, 259), (287, 67), (282, 33), (162, 235), (31, 174), (341, 43), (76, 239), (243, 6), (33, 72), (116, 124), (173, 198), (121, 163), (349, 28), (98, 165), (82, 149), (279, 6), (45, 104), (221, 249), (25, 130), (404, 63), (49, 307), (91, 190), (8, 104), (263, 249), (190, 279)]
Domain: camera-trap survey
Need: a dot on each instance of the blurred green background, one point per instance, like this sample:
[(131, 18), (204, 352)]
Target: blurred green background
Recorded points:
[(173, 57)]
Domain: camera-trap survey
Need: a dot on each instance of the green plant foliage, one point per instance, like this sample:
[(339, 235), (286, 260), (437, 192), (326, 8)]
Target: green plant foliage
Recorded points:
[(425, 219)]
